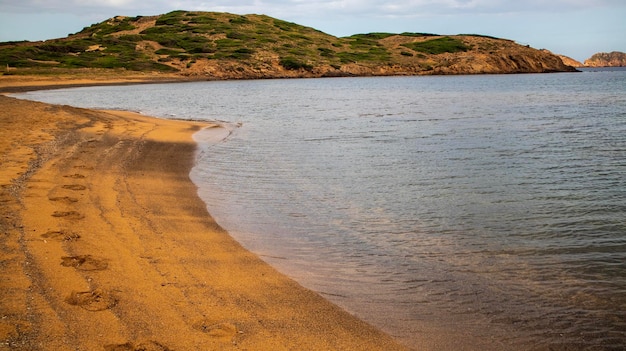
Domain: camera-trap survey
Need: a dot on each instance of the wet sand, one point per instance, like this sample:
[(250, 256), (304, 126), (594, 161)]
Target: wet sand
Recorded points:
[(105, 245)]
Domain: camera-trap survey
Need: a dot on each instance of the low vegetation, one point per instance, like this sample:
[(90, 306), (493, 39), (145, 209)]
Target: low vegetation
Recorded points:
[(190, 42)]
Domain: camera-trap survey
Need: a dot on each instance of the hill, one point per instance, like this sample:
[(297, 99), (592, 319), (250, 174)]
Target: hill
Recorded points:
[(607, 59), (570, 61), (225, 46)]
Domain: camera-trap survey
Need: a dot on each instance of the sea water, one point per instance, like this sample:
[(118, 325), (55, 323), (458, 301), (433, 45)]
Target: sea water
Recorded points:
[(453, 212)]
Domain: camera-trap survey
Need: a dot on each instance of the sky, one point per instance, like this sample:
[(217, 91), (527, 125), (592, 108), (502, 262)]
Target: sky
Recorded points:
[(575, 28)]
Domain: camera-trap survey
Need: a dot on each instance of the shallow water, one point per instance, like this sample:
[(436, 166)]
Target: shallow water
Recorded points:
[(469, 212)]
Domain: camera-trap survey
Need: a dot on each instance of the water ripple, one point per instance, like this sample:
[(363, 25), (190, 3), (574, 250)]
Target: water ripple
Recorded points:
[(482, 211)]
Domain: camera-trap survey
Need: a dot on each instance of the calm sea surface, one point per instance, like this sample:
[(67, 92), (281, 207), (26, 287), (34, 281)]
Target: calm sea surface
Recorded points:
[(455, 213)]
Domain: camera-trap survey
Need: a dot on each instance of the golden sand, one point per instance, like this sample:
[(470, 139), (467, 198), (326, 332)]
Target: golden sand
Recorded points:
[(105, 245)]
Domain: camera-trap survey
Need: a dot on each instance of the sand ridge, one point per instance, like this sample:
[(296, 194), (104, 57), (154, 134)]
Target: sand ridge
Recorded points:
[(106, 246)]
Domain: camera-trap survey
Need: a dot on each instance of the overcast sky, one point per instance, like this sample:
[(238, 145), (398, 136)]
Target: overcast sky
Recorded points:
[(576, 28)]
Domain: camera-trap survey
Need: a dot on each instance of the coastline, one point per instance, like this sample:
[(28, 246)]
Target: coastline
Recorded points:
[(107, 245), (29, 82)]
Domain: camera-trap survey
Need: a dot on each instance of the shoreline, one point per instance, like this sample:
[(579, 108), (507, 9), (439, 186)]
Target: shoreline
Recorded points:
[(25, 83), (108, 246)]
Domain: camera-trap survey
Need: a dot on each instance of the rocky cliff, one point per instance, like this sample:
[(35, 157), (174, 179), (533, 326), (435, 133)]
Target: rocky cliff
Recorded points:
[(607, 59), (570, 61)]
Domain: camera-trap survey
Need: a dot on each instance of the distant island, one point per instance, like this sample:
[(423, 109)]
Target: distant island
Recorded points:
[(211, 45), (601, 59), (604, 59)]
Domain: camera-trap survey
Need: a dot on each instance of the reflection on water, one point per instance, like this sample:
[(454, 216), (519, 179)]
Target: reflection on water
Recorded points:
[(474, 212)]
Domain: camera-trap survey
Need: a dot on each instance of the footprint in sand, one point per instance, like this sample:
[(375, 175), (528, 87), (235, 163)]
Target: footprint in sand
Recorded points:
[(12, 328), (85, 263), (95, 300), (225, 331), (74, 215), (74, 176), (60, 235), (74, 187), (144, 346), (63, 199)]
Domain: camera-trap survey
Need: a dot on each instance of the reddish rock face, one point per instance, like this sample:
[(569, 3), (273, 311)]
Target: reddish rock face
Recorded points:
[(570, 61), (607, 59)]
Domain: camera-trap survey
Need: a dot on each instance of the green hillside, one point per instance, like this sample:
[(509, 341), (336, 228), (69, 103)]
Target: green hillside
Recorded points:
[(201, 43)]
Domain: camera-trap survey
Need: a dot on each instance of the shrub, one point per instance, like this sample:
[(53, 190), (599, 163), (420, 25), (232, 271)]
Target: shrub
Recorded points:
[(236, 35), (239, 20), (284, 25), (169, 52), (131, 37), (168, 19), (107, 62), (409, 34), (223, 44), (292, 63), (324, 52), (202, 19), (204, 49), (375, 36), (350, 57), (242, 53)]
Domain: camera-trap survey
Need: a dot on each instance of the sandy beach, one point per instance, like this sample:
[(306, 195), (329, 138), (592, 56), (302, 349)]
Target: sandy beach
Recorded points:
[(105, 245)]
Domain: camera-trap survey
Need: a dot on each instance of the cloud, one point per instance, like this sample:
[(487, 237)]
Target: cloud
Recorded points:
[(63, 6), (328, 14), (302, 7)]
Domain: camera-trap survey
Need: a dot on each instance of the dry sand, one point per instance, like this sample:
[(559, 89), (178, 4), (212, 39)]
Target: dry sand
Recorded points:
[(105, 245), (81, 77)]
